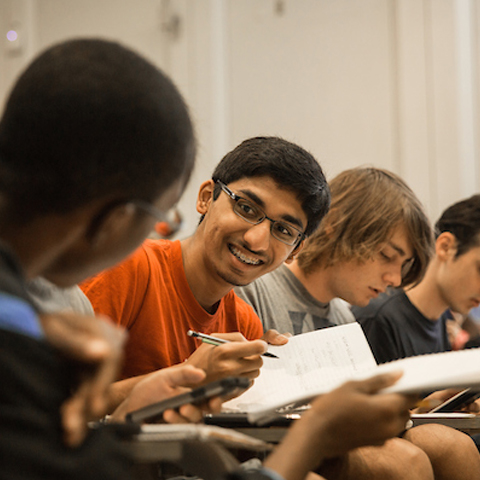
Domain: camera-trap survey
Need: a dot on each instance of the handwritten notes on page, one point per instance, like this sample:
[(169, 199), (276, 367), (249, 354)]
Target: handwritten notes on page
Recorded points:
[(314, 363), (309, 364)]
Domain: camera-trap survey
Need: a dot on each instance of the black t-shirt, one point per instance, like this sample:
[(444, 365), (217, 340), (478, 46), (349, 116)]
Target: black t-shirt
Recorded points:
[(396, 329)]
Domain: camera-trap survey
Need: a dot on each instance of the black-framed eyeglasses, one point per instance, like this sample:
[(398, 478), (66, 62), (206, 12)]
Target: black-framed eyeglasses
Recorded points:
[(253, 214), (141, 204)]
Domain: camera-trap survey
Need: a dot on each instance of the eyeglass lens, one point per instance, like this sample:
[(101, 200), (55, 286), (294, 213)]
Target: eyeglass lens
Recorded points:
[(252, 214)]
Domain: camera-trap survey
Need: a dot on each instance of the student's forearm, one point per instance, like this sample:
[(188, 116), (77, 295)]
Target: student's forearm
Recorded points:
[(299, 453), (124, 397), (120, 390)]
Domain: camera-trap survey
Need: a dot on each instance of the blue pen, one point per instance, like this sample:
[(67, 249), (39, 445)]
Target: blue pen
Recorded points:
[(218, 341)]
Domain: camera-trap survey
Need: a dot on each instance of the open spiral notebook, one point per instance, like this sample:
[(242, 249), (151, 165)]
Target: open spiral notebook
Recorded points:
[(316, 362)]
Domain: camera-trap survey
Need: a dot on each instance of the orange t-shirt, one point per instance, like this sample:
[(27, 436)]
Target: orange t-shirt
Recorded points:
[(149, 295)]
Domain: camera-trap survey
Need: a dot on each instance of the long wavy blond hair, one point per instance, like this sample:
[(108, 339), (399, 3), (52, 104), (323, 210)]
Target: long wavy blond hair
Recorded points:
[(367, 205)]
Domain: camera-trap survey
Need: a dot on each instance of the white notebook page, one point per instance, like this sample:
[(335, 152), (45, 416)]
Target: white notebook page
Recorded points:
[(312, 362), (316, 362)]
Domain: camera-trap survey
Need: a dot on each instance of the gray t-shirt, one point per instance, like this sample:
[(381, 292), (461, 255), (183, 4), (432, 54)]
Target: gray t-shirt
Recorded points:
[(283, 303), (49, 298)]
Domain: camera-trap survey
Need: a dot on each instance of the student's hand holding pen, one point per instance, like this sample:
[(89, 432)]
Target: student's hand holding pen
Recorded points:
[(239, 357)]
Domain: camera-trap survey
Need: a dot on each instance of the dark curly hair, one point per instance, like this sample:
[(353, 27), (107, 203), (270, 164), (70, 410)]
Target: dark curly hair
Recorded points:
[(88, 119), (288, 164)]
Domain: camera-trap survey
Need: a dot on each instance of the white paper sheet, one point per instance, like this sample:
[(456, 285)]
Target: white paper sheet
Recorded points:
[(317, 362)]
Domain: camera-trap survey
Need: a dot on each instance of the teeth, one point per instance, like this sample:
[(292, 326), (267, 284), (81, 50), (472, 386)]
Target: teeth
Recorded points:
[(242, 257)]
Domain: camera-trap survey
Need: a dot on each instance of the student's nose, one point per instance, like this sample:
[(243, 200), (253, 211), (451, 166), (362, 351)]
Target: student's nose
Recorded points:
[(258, 236), (393, 277)]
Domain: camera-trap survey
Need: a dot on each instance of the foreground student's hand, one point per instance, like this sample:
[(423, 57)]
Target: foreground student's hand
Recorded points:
[(163, 384), (96, 345), (355, 414), (239, 358), (351, 416)]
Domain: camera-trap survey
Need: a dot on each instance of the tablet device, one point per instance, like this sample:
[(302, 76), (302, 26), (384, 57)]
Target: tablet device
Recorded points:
[(240, 420), (457, 402), (230, 386)]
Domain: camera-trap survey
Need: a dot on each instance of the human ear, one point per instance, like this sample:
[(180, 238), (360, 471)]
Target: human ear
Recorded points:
[(445, 246), (295, 252), (205, 196)]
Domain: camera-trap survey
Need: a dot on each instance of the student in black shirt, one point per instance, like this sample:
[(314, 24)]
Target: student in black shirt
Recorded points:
[(413, 321)]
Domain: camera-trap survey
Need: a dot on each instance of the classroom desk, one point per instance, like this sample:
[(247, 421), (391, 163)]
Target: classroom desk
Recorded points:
[(465, 422), (266, 434), (206, 450), (271, 433), (201, 450), (468, 423)]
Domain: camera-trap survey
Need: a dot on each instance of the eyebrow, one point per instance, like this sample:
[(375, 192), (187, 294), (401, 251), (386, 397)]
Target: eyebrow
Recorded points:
[(286, 217), (398, 249)]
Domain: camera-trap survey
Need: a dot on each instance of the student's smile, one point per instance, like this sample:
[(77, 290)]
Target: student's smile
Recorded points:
[(245, 257)]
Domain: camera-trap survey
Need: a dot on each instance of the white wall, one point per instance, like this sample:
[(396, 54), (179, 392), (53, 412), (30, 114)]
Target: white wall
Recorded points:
[(138, 23), (389, 83), (322, 76), (393, 83), (19, 16)]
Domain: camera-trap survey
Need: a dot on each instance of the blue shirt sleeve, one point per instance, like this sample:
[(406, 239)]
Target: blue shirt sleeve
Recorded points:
[(18, 316)]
